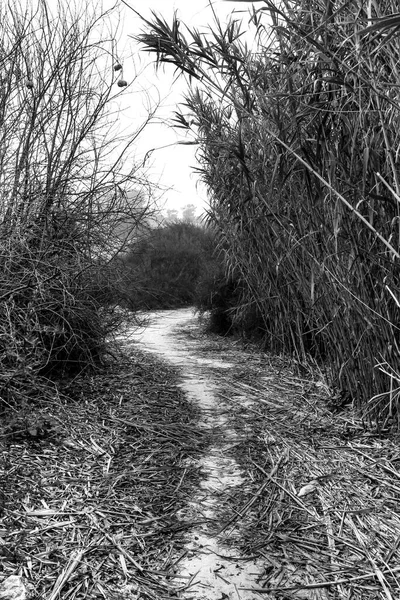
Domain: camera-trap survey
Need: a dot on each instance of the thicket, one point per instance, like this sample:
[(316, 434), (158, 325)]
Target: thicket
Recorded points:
[(63, 197), (168, 265), (299, 146)]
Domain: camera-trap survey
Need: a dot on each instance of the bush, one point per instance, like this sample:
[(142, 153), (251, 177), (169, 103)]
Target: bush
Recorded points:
[(63, 198), (166, 265)]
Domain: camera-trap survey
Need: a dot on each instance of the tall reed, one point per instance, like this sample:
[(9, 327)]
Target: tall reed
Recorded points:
[(299, 146)]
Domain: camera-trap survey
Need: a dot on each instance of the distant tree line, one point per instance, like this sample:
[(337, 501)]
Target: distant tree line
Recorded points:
[(189, 214), (167, 266)]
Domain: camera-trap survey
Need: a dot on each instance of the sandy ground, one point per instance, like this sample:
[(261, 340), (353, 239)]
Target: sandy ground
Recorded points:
[(288, 503), (247, 481), (215, 571)]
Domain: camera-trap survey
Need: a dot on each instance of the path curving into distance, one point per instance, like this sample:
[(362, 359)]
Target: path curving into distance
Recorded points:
[(218, 571)]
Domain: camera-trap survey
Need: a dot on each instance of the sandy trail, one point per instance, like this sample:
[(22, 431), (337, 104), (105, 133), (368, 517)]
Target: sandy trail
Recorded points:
[(216, 571)]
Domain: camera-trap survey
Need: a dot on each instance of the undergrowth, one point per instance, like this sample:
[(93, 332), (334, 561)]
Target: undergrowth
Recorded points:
[(67, 207)]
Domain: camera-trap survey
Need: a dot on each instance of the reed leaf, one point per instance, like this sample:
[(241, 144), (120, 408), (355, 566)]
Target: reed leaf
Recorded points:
[(298, 146)]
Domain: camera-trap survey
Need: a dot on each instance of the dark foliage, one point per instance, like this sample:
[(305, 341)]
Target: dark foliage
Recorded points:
[(167, 264)]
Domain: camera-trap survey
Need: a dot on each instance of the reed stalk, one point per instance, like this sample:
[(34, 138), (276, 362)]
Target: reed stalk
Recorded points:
[(299, 147)]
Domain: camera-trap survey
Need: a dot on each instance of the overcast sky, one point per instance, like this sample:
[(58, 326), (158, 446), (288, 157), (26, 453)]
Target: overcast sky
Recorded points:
[(172, 165)]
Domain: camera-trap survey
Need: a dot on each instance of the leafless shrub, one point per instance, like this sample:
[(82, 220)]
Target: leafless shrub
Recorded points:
[(71, 194)]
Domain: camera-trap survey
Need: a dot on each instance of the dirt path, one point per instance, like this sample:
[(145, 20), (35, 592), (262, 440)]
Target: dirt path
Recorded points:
[(215, 571), (119, 488), (297, 500)]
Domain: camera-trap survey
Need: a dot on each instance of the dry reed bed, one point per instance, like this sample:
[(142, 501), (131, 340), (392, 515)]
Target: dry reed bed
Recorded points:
[(91, 486), (298, 142), (322, 493)]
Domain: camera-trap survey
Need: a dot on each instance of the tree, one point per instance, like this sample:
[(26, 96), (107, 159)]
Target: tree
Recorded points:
[(189, 213), (60, 152), (167, 264), (65, 174), (172, 215)]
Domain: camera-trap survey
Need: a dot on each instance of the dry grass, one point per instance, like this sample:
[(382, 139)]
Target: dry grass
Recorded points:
[(91, 485), (321, 497)]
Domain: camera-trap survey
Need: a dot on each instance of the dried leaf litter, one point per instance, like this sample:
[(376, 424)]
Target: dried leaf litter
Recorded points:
[(93, 485)]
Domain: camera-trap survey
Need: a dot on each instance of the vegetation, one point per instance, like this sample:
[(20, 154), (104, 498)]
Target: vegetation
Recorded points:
[(187, 214), (167, 265), (298, 145), (63, 195)]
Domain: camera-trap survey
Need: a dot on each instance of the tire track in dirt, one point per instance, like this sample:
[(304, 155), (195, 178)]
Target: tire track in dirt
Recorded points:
[(215, 571)]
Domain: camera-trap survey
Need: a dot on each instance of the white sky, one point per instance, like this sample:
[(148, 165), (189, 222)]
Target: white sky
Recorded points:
[(171, 166)]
